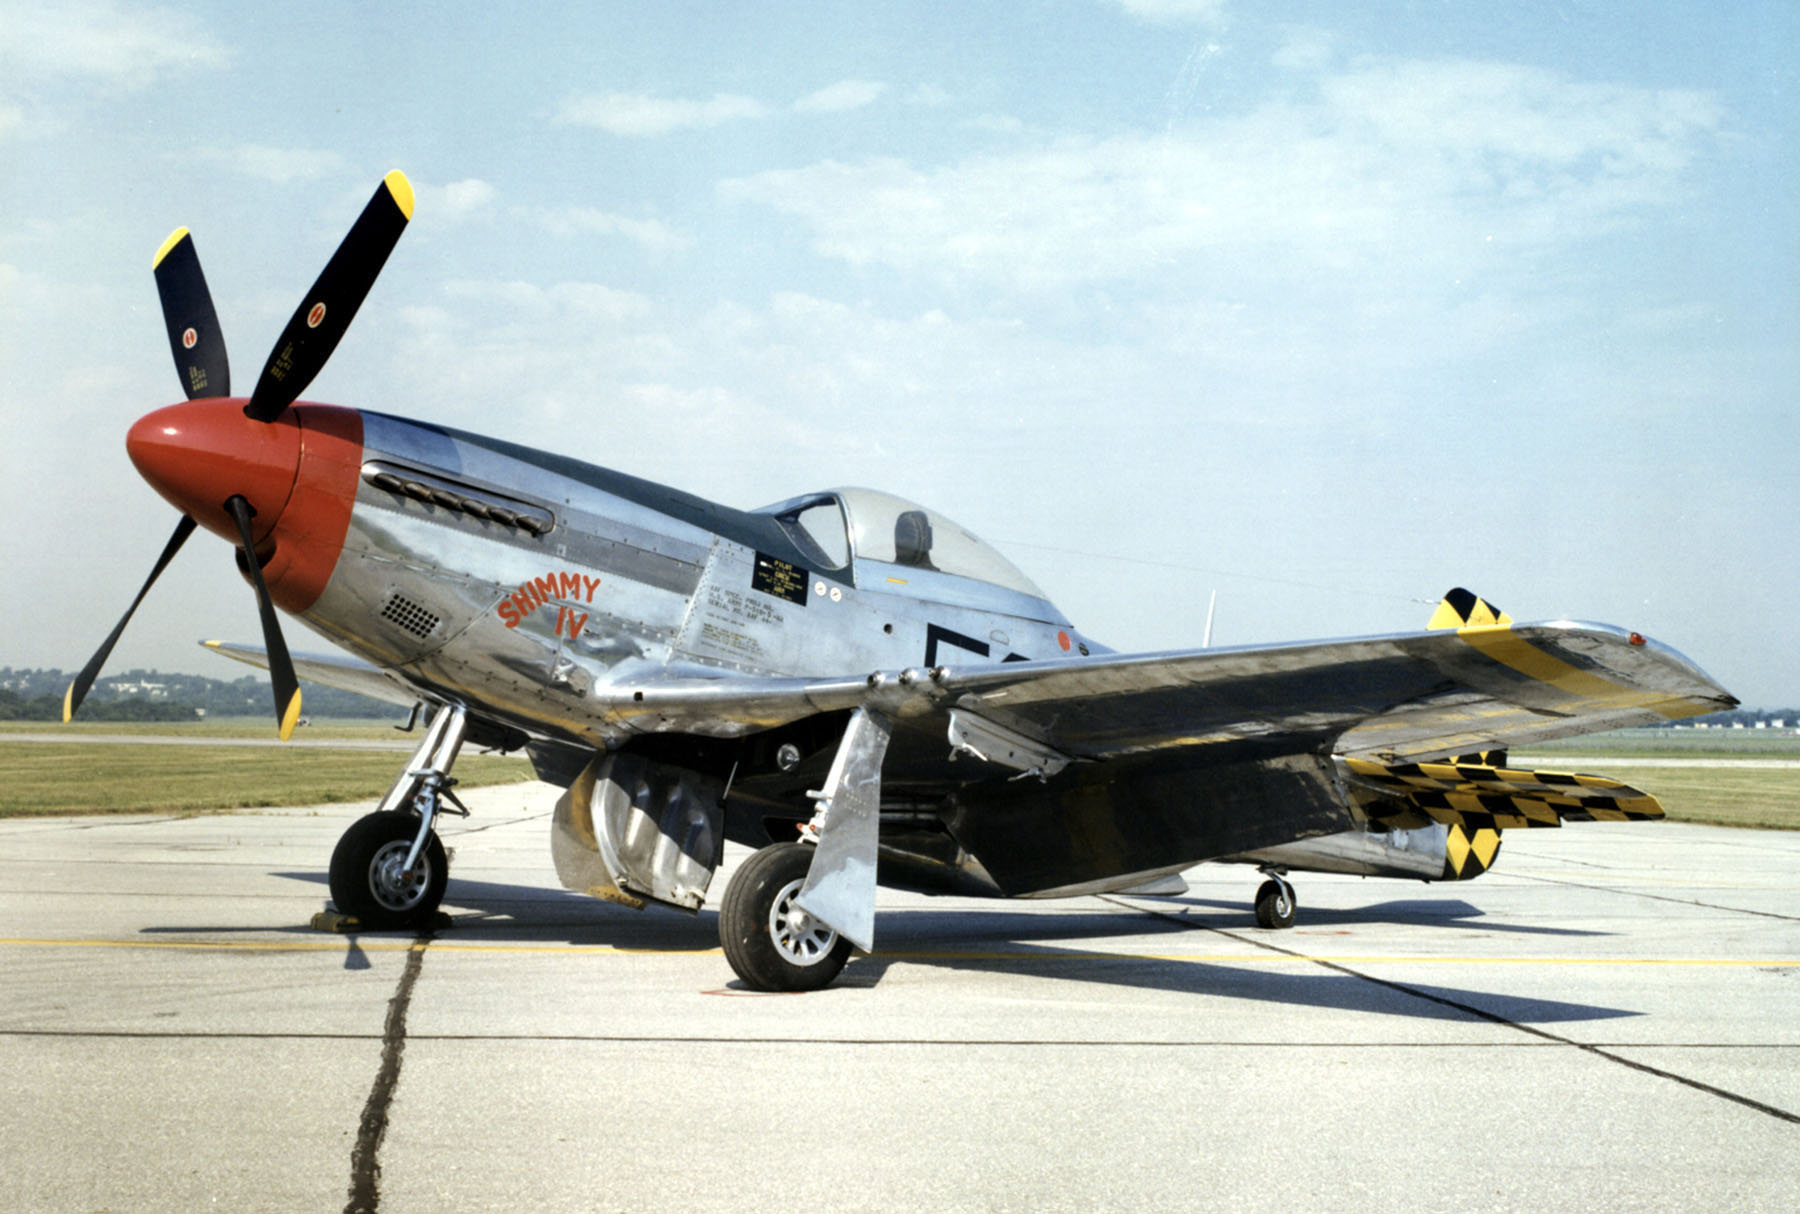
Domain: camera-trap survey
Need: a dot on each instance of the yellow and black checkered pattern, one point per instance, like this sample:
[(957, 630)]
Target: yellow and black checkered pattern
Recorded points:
[(1464, 609), (1469, 854), (1479, 797)]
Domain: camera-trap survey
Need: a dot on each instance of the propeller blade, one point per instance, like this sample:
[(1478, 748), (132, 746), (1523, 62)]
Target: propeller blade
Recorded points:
[(281, 666), (319, 323), (79, 688), (195, 337)]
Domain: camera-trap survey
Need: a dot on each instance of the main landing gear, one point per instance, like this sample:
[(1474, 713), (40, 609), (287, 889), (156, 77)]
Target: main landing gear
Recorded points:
[(1275, 902), (793, 911), (389, 869)]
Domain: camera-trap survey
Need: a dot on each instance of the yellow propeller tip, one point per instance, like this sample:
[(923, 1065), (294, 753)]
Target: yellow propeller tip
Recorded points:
[(291, 717), (402, 190), (175, 238), (69, 704)]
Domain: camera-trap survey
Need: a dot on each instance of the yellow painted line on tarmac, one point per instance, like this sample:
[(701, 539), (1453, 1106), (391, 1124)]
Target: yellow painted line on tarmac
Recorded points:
[(337, 944), (1051, 953)]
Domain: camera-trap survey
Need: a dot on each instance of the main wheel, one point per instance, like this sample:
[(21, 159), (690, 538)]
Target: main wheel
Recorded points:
[(366, 880), (772, 944), (1274, 905)]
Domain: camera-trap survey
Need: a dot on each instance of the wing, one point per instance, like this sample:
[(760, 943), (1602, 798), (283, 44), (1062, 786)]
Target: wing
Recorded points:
[(1401, 698), (1405, 697)]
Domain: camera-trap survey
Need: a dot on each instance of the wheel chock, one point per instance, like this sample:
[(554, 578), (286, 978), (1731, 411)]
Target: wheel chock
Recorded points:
[(336, 921)]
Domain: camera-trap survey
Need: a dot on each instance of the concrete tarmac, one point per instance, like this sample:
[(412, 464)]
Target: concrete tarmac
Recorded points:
[(1610, 1018)]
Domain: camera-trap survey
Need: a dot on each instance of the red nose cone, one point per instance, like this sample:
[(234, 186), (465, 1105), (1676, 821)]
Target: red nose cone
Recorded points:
[(201, 452), (299, 473)]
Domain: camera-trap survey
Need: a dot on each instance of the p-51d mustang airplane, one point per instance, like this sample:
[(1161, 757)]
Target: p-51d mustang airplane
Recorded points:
[(849, 683)]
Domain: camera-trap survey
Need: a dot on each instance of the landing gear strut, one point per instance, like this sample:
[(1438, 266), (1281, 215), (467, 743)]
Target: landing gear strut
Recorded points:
[(1275, 902), (389, 869)]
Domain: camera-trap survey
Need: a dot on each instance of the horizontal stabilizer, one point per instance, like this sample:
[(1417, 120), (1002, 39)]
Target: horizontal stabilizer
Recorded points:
[(1475, 796)]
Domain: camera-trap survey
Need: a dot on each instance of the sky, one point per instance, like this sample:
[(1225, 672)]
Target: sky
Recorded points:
[(1323, 308)]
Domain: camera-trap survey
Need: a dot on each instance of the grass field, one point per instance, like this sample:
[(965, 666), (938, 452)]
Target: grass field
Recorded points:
[(77, 777), (255, 728), (1765, 798), (1761, 797), (1681, 744)]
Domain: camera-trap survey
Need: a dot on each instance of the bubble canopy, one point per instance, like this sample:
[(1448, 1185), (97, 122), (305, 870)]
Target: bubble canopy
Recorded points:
[(841, 525)]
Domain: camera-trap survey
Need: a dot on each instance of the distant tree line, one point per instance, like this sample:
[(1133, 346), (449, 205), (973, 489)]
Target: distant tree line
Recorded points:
[(147, 695)]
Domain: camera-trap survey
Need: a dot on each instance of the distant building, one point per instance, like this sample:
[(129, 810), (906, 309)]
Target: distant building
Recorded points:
[(141, 687)]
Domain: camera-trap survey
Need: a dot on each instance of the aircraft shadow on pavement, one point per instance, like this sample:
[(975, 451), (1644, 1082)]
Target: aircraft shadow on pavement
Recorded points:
[(1422, 912), (491, 912), (1040, 942), (1017, 944)]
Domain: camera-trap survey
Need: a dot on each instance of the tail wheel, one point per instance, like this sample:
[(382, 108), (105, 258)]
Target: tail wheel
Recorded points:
[(368, 877), (770, 942), (1275, 904)]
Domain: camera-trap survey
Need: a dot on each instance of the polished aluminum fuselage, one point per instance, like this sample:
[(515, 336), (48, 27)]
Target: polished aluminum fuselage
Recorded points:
[(631, 583)]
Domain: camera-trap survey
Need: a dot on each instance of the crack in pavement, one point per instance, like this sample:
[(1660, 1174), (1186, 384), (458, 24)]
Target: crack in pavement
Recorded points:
[(1480, 1013), (365, 1156)]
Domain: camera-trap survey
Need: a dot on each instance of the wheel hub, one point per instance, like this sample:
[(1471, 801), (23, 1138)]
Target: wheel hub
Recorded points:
[(389, 881), (802, 939)]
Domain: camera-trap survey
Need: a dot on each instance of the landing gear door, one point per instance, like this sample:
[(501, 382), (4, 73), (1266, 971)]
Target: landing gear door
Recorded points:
[(634, 831)]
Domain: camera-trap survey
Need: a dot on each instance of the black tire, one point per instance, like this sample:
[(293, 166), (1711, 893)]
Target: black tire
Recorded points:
[(1275, 907), (365, 872), (770, 944)]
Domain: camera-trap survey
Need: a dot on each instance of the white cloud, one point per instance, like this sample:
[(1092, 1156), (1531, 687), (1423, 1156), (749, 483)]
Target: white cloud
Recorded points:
[(1170, 12), (653, 235), (844, 95), (457, 201), (995, 124), (1434, 169), (279, 166), (929, 96), (97, 41), (1304, 50), (637, 115), (95, 45), (580, 302)]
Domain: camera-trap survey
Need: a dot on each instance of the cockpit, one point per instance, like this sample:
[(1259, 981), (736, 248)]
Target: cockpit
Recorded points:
[(890, 543)]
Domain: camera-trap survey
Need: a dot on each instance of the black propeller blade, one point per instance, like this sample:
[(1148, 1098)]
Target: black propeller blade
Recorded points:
[(195, 337), (281, 666), (198, 344), (79, 688), (326, 312)]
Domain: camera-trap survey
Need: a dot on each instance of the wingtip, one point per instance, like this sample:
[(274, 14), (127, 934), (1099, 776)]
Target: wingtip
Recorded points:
[(402, 191)]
